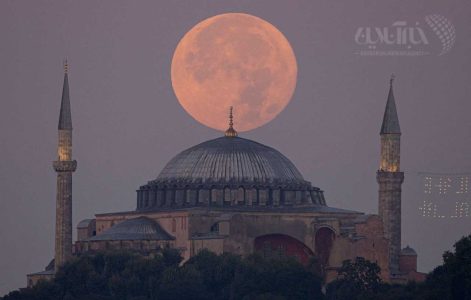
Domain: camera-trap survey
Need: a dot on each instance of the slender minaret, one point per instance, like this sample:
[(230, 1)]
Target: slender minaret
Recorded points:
[(390, 179), (64, 166)]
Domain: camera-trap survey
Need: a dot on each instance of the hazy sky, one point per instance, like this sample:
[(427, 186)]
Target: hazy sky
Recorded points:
[(128, 124)]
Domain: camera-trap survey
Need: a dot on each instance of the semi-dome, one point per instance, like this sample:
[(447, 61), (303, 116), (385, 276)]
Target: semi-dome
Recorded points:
[(140, 228), (229, 171)]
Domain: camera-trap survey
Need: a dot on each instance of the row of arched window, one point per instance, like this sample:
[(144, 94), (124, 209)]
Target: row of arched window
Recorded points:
[(154, 198)]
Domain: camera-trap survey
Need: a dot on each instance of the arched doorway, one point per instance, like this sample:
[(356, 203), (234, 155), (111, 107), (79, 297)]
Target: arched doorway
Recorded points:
[(280, 245), (324, 241)]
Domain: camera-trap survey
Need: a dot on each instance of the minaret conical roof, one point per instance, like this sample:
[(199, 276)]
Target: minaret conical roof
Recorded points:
[(390, 119), (65, 117)]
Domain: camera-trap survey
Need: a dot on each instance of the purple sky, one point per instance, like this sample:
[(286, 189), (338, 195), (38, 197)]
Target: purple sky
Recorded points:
[(128, 123)]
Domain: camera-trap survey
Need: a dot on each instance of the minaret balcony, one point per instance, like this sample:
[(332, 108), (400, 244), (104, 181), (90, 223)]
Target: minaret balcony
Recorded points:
[(65, 166)]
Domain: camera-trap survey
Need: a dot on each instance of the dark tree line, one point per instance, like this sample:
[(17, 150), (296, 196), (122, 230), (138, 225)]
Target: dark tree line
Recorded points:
[(208, 276), (359, 280)]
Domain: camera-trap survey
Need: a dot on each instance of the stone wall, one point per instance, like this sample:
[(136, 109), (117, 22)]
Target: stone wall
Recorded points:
[(86, 229), (144, 247), (389, 199), (33, 279), (349, 234), (408, 263)]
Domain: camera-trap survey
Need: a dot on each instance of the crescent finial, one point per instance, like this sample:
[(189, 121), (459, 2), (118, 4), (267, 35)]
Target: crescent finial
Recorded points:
[(230, 132)]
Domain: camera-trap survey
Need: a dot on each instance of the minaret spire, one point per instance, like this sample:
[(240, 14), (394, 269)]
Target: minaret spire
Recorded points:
[(231, 132), (390, 119), (65, 116), (390, 178), (64, 166)]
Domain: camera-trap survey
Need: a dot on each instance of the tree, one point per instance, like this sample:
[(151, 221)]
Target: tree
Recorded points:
[(218, 272), (185, 283), (452, 280), (283, 278), (357, 280), (206, 276)]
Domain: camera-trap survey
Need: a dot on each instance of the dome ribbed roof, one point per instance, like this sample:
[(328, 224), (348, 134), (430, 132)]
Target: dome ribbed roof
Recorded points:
[(231, 160)]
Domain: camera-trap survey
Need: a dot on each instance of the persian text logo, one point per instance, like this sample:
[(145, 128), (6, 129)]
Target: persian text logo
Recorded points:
[(401, 39)]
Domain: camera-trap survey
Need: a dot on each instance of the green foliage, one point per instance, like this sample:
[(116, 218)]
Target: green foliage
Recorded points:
[(218, 272), (206, 276), (451, 281), (286, 279), (458, 265), (357, 280), (182, 283), (363, 273), (315, 267)]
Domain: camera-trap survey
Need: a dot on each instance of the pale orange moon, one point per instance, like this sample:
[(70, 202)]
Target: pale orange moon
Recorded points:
[(237, 60)]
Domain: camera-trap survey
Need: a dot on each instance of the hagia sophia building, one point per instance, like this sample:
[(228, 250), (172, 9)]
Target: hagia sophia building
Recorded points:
[(235, 195)]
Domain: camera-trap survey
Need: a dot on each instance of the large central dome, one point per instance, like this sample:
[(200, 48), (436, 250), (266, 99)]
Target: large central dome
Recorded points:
[(228, 171), (231, 160)]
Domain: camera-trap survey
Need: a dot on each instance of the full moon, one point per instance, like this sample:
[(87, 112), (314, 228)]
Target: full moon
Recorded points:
[(237, 60)]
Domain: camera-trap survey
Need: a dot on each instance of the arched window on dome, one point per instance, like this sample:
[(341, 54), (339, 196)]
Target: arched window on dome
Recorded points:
[(170, 196), (262, 196), (180, 196), (139, 199), (227, 196), (152, 197), (204, 196), (251, 196), (146, 198), (240, 195), (217, 196), (275, 195), (160, 198)]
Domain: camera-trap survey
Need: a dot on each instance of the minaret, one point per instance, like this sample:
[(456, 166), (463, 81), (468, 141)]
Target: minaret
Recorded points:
[(64, 166), (390, 179)]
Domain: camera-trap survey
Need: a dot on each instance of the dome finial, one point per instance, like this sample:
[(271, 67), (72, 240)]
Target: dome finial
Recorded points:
[(66, 66), (230, 132), (231, 117)]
